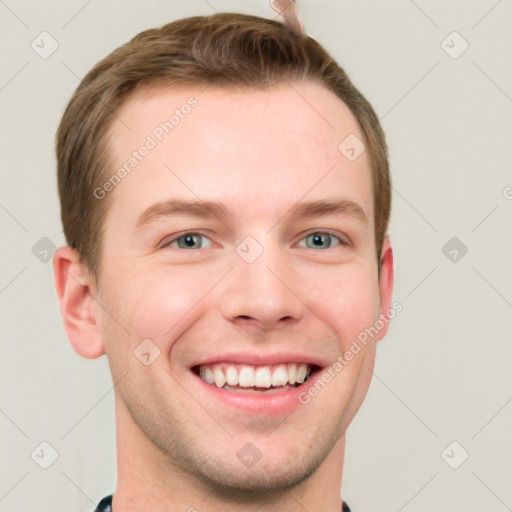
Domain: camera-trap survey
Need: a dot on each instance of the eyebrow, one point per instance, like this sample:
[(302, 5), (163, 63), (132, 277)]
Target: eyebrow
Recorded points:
[(204, 209)]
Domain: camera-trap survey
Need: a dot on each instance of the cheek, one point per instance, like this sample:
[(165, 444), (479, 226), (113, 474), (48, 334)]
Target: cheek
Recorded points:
[(346, 299), (157, 302)]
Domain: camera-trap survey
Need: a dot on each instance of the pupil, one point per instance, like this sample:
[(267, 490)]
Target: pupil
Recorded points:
[(189, 240), (320, 241)]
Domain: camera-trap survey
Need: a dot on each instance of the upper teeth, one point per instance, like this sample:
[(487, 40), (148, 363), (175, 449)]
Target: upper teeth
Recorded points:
[(249, 376)]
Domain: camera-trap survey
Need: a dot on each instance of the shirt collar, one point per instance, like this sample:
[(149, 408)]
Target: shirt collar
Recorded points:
[(105, 505)]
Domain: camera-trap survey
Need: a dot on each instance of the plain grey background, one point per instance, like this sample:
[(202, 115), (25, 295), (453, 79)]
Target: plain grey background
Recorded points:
[(442, 388)]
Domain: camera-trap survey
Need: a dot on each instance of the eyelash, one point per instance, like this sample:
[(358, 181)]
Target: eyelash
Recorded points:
[(341, 241)]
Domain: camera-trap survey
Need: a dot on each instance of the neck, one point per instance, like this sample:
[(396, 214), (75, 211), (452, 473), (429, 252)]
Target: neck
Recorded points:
[(147, 479)]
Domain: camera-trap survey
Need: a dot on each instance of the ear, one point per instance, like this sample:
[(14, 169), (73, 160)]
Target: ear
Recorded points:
[(386, 280), (76, 291)]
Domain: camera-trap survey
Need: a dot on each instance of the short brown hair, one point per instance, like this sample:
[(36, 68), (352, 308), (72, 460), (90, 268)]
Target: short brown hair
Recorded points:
[(225, 49)]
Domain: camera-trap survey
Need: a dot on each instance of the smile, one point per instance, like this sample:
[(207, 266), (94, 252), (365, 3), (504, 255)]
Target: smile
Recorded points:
[(244, 377)]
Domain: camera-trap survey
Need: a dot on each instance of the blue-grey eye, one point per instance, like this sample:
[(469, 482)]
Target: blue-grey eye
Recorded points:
[(189, 241), (321, 240)]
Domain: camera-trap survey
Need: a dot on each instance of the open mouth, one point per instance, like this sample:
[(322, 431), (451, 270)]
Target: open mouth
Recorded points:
[(244, 378)]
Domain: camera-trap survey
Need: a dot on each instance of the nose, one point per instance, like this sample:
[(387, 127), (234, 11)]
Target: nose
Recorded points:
[(264, 294)]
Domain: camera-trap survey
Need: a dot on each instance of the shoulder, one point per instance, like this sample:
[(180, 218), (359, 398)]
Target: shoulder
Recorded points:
[(105, 505)]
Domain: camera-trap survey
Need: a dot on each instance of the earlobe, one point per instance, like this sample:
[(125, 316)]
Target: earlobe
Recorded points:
[(76, 292), (386, 280)]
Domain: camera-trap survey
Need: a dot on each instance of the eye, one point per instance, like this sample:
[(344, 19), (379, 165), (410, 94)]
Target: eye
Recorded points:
[(188, 241), (321, 240)]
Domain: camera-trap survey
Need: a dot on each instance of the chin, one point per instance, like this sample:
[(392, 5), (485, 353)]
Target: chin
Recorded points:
[(266, 478), (251, 484)]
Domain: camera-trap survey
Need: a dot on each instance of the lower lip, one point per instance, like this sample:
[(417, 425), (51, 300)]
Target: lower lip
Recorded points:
[(278, 403)]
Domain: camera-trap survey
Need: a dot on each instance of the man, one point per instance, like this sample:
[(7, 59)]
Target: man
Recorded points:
[(225, 196)]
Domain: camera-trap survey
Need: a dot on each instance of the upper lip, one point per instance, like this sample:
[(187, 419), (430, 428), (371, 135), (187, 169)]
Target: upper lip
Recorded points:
[(258, 359)]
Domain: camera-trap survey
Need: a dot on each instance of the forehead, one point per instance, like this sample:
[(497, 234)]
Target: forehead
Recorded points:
[(259, 151)]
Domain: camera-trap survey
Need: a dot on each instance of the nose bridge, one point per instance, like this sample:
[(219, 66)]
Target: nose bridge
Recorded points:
[(260, 287)]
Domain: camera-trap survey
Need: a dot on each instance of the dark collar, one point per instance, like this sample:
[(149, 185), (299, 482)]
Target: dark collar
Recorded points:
[(105, 505)]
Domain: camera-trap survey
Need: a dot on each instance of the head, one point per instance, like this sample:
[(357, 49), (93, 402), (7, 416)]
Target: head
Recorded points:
[(274, 246)]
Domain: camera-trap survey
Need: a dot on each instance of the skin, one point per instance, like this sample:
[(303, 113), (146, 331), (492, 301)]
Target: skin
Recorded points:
[(259, 153)]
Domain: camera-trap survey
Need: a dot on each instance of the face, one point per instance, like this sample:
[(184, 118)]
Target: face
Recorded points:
[(259, 254)]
